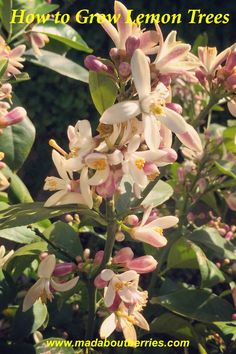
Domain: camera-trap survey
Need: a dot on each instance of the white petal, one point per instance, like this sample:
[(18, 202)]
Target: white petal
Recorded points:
[(232, 107), (33, 294), (146, 215), (151, 132), (174, 121), (85, 188), (72, 198), (128, 331), (108, 326), (58, 162), (109, 295), (55, 198), (164, 222), (99, 177), (124, 26), (141, 73), (107, 274), (120, 112), (47, 266), (129, 275), (142, 323), (64, 286), (134, 143)]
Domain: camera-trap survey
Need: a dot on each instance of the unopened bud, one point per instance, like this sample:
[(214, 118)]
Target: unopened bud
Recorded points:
[(69, 218), (93, 63), (132, 43), (132, 220), (43, 255), (119, 236), (86, 253), (62, 269)]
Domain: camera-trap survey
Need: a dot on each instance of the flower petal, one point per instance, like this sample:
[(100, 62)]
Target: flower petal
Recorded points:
[(124, 26), (174, 121), (47, 266), (141, 73), (149, 236), (164, 222), (109, 295), (141, 322), (64, 286), (33, 294), (129, 275), (85, 188), (151, 132), (120, 112), (108, 326), (99, 177), (107, 274)]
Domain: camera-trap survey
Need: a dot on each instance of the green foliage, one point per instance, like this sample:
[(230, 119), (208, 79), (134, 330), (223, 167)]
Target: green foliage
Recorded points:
[(159, 194)]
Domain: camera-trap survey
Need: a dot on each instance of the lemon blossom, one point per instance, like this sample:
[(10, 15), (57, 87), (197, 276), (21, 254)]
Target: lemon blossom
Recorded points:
[(124, 320), (152, 232), (80, 138), (210, 61), (124, 285), (3, 256), (151, 104), (67, 190), (126, 29), (42, 288), (14, 56)]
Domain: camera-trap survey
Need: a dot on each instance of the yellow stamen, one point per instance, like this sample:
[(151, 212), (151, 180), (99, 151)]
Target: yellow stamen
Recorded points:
[(152, 176), (119, 286), (139, 163), (55, 146), (157, 109), (159, 230), (131, 319), (100, 164)]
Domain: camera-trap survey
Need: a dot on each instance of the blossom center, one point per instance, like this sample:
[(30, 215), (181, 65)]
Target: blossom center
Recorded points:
[(159, 230), (139, 163), (99, 164), (156, 109)]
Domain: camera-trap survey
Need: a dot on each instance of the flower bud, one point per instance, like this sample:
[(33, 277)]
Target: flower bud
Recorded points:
[(62, 269), (114, 53), (99, 283), (191, 139), (123, 255), (43, 255), (150, 168), (119, 236), (93, 63), (231, 201), (132, 43), (86, 253), (141, 265), (98, 257), (171, 155), (232, 107), (234, 296), (16, 115), (132, 220), (231, 82)]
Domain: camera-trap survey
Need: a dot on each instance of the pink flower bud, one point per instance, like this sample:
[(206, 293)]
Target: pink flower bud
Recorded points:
[(16, 115), (181, 174), (229, 236), (165, 79), (132, 220), (98, 257), (124, 69), (231, 82), (93, 63), (175, 107), (150, 168), (114, 53), (231, 201), (123, 255), (99, 282), (132, 43), (141, 265), (62, 269), (43, 255), (234, 316), (202, 184), (200, 76), (171, 155), (231, 61)]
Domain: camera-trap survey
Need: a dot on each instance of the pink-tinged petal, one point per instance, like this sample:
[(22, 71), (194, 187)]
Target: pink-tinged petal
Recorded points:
[(148, 42), (71, 198), (151, 132), (149, 236), (174, 121), (124, 28), (164, 222), (126, 295), (109, 295), (231, 201), (142, 265), (99, 177), (128, 331), (141, 73), (179, 51), (107, 274), (108, 326), (232, 107), (110, 30), (220, 59), (134, 143), (16, 115), (99, 282), (146, 215), (85, 188), (152, 156), (18, 51), (47, 266), (191, 139), (115, 158), (123, 255), (120, 112), (68, 285), (33, 294), (141, 322), (128, 276)]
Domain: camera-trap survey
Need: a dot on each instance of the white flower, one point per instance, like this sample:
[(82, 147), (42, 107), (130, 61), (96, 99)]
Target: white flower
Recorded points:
[(42, 288), (124, 320), (3, 256), (80, 138), (150, 104)]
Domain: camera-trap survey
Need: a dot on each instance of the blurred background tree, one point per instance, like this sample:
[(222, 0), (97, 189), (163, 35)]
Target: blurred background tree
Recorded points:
[(54, 101)]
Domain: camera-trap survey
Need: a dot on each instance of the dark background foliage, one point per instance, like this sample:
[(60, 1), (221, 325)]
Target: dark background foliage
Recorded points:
[(53, 101)]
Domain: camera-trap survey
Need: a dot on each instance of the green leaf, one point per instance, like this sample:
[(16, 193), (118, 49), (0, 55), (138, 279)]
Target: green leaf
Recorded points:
[(174, 326), (20, 234), (7, 290), (3, 67), (45, 8), (29, 213), (199, 305), (16, 142), (200, 41), (211, 239), (32, 320), (229, 137), (60, 64), (65, 237), (63, 33), (6, 16), (43, 347), (103, 90), (228, 168), (227, 328), (19, 78), (17, 191), (185, 254), (159, 194)]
